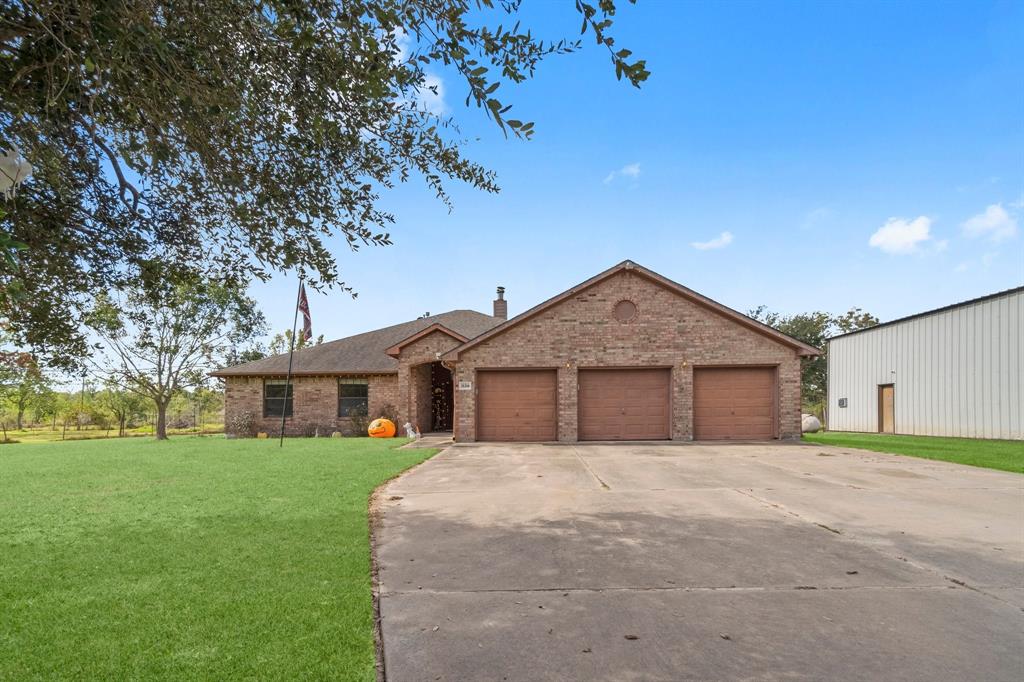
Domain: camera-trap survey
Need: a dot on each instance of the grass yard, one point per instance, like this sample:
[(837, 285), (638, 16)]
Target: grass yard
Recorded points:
[(1007, 455), (194, 558)]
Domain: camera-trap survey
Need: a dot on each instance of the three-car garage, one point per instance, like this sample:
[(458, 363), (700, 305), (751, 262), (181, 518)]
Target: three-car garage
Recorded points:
[(628, 356), (626, 404)]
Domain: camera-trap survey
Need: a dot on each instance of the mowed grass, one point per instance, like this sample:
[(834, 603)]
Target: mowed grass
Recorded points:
[(194, 558), (1006, 455)]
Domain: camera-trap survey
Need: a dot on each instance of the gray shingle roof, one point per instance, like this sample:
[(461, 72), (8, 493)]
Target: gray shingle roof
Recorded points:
[(362, 353)]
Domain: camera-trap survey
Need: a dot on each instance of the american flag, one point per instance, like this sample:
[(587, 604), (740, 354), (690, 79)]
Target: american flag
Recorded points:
[(307, 321)]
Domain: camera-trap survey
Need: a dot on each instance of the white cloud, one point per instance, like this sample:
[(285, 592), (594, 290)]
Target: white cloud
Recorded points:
[(901, 236), (429, 97), (402, 42), (985, 262), (719, 242), (980, 184), (432, 95), (994, 224), (631, 170), (817, 217), (941, 245)]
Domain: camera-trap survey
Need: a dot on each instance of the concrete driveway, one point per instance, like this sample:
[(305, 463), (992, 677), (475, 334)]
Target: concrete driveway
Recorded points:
[(675, 562)]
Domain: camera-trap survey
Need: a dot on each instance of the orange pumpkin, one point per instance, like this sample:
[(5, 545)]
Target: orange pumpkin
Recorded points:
[(381, 428)]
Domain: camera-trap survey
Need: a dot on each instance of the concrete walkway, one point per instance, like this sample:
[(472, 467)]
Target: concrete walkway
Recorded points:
[(677, 562)]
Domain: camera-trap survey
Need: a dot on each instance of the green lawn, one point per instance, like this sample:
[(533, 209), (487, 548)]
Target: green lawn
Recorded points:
[(194, 558), (1007, 455)]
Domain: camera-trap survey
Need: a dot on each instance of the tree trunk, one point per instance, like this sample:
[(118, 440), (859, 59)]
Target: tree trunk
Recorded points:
[(161, 421), (21, 414)]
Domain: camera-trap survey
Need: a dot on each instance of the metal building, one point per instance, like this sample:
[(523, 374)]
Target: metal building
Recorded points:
[(955, 371)]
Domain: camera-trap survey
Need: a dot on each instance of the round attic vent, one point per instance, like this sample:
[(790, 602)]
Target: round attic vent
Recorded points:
[(624, 311)]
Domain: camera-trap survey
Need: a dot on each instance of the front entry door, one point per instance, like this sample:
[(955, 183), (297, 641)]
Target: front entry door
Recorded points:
[(887, 408), (441, 397)]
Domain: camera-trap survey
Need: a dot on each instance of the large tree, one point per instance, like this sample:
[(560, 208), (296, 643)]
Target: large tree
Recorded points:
[(235, 135), (22, 383), (815, 328), (156, 343), (124, 405)]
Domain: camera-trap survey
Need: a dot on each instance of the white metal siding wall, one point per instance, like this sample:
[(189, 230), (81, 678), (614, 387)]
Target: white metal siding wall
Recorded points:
[(958, 372)]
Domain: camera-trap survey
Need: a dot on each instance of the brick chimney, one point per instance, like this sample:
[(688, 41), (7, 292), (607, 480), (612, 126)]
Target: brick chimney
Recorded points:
[(501, 305)]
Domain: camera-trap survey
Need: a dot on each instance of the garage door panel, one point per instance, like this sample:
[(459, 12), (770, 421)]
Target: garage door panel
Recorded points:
[(624, 404), (734, 403), (516, 405)]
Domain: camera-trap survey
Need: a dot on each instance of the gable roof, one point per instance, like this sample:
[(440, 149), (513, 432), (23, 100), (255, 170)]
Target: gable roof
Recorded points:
[(395, 350), (363, 353), (800, 347)]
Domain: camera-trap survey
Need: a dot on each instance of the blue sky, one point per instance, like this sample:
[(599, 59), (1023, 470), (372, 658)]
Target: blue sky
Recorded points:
[(805, 156)]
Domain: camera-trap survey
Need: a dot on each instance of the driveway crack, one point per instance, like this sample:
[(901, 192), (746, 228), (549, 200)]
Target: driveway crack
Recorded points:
[(923, 567), (565, 591), (586, 466)]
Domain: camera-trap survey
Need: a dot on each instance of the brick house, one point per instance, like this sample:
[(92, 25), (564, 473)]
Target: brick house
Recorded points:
[(625, 355)]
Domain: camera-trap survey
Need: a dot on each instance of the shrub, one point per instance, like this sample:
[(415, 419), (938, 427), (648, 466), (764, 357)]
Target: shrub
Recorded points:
[(181, 422), (241, 424), (389, 411), (358, 420)]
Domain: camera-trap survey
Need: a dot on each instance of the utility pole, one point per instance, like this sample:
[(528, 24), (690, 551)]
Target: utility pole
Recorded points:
[(81, 404)]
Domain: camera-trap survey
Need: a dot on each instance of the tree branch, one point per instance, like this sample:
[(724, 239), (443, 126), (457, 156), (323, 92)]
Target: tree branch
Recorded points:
[(115, 162)]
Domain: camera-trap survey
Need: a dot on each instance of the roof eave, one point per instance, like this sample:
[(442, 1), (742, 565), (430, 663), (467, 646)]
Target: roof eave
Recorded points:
[(933, 311), (313, 373)]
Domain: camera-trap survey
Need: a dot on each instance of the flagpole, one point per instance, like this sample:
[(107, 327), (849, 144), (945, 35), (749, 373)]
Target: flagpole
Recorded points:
[(291, 352)]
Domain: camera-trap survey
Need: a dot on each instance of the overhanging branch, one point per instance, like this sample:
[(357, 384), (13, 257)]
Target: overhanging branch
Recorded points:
[(115, 162)]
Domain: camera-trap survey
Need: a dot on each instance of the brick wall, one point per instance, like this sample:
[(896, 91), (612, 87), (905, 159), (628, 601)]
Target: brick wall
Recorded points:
[(314, 404), (414, 402), (668, 330)]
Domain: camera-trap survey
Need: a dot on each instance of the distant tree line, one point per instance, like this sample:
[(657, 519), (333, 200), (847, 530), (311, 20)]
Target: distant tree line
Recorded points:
[(31, 401)]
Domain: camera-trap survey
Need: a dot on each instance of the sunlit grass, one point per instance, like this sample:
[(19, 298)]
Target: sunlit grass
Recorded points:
[(1007, 455), (193, 558)]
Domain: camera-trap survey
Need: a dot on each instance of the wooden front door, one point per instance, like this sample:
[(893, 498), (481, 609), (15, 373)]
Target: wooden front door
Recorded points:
[(887, 408)]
